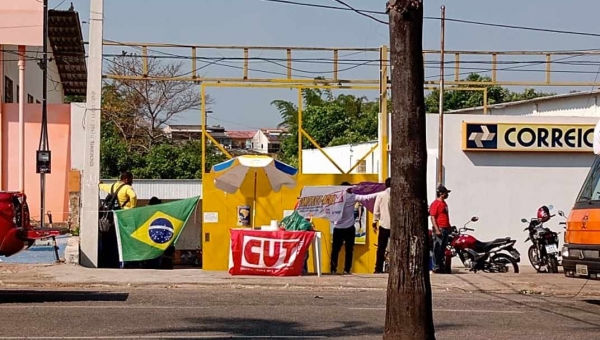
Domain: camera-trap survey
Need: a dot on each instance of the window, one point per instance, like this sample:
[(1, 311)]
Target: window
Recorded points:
[(590, 191), (30, 99), (37, 101), (274, 147), (17, 94), (8, 90)]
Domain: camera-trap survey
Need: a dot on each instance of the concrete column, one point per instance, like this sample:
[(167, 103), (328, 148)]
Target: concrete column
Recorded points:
[(91, 170)]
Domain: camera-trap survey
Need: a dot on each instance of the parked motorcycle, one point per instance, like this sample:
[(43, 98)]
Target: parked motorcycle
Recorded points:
[(544, 252), (497, 256)]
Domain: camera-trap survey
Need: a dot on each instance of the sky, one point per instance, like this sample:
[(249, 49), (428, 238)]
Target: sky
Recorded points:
[(255, 22)]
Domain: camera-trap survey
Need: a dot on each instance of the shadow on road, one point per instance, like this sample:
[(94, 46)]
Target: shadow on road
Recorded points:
[(545, 302), (41, 296), (260, 327)]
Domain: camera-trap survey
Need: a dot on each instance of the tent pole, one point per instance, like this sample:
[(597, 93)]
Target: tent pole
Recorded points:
[(254, 205)]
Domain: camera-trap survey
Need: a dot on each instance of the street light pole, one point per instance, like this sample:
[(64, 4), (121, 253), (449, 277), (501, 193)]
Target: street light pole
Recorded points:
[(440, 170), (43, 156)]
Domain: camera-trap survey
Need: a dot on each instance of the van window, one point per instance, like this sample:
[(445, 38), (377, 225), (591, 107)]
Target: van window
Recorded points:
[(590, 191)]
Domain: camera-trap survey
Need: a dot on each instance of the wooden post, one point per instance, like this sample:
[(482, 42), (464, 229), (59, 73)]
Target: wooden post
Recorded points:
[(409, 313)]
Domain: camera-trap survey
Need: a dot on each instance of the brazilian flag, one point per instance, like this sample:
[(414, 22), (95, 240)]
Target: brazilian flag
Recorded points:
[(144, 233)]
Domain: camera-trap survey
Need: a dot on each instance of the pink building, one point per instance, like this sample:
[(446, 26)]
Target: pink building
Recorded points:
[(67, 76)]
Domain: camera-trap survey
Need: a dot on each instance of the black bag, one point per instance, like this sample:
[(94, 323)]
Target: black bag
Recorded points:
[(110, 203)]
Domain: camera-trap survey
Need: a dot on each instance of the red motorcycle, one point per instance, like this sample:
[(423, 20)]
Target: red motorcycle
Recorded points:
[(16, 231), (497, 256)]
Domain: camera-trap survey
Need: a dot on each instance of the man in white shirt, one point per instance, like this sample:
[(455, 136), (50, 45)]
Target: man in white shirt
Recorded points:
[(344, 231), (381, 216)]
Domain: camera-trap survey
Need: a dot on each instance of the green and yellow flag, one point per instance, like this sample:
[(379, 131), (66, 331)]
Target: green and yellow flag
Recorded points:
[(144, 233)]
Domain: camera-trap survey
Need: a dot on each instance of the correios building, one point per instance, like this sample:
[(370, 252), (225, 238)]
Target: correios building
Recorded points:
[(501, 166)]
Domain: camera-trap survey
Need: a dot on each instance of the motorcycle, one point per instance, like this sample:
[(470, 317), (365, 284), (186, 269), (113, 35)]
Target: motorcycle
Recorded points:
[(497, 256), (544, 252)]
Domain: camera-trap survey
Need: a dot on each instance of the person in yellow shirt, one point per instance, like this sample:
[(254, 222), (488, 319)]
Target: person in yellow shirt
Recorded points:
[(108, 256), (126, 196)]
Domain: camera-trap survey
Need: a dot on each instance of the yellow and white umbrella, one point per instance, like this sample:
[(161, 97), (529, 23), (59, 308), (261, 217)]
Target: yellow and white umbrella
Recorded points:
[(250, 172)]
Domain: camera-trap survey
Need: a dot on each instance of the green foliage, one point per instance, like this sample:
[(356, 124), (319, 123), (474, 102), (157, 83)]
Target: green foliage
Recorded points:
[(328, 119), (125, 146), (163, 161), (456, 100)]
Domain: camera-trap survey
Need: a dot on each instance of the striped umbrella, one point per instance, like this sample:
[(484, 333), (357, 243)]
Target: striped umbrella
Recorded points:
[(252, 172)]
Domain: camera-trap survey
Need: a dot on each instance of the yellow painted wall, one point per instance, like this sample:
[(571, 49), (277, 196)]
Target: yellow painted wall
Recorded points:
[(215, 238)]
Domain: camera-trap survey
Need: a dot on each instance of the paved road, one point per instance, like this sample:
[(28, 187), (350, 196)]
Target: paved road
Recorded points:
[(285, 314)]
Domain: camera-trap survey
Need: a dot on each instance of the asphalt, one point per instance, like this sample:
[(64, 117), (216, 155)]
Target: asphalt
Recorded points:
[(51, 276), (257, 313)]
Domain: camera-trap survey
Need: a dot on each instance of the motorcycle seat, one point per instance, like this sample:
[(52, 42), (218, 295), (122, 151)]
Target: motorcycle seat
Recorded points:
[(483, 247)]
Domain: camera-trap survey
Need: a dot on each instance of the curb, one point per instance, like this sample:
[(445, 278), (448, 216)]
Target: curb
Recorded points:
[(72, 250)]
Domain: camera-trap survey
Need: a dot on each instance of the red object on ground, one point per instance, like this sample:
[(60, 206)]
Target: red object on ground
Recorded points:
[(16, 231), (268, 253)]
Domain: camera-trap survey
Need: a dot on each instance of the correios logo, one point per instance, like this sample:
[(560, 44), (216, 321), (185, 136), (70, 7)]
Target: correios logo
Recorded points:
[(260, 252), (545, 137)]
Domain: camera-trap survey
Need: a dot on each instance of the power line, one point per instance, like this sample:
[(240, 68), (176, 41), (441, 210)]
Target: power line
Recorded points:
[(471, 22), (60, 4), (526, 28), (287, 2), (361, 12)]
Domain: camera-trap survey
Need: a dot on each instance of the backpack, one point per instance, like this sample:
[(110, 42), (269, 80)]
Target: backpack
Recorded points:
[(110, 203)]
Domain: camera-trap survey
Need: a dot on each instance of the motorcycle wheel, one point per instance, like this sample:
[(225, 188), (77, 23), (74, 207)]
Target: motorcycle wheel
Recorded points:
[(553, 264), (505, 260), (534, 258)]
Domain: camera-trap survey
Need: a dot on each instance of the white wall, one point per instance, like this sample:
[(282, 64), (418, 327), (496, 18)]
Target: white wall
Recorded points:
[(502, 188), (260, 142), (499, 187), (33, 74), (77, 135), (345, 156)]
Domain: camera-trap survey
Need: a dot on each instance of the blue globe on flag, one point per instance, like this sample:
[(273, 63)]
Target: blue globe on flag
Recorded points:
[(161, 230)]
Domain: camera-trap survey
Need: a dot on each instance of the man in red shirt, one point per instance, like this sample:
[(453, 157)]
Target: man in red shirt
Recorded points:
[(441, 227)]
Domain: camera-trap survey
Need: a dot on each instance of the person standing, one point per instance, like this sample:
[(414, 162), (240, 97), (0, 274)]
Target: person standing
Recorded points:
[(440, 219), (127, 199), (126, 196), (381, 216), (344, 231)]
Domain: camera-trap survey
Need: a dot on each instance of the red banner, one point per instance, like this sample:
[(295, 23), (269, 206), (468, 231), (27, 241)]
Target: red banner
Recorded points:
[(270, 253)]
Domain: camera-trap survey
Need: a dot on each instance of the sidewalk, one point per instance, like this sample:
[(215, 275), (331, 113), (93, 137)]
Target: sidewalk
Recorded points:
[(65, 276)]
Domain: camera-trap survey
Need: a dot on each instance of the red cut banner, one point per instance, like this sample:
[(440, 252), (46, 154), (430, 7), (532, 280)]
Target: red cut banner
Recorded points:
[(269, 253)]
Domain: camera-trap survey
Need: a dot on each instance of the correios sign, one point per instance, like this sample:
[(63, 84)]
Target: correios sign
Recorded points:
[(527, 137)]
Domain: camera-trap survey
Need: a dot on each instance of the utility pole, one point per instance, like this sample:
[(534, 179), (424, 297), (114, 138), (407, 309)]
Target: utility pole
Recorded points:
[(440, 169), (43, 156), (91, 168), (409, 313)]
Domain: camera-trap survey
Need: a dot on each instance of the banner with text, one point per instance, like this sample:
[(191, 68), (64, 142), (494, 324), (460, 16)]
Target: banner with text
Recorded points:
[(269, 253), (322, 202), (528, 137)]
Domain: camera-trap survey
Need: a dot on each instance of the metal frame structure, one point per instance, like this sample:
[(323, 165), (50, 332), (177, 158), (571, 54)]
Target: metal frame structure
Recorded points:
[(301, 132), (460, 58), (382, 84)]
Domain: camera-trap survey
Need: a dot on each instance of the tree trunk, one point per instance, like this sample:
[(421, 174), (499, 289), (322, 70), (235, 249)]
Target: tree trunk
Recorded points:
[(409, 313)]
